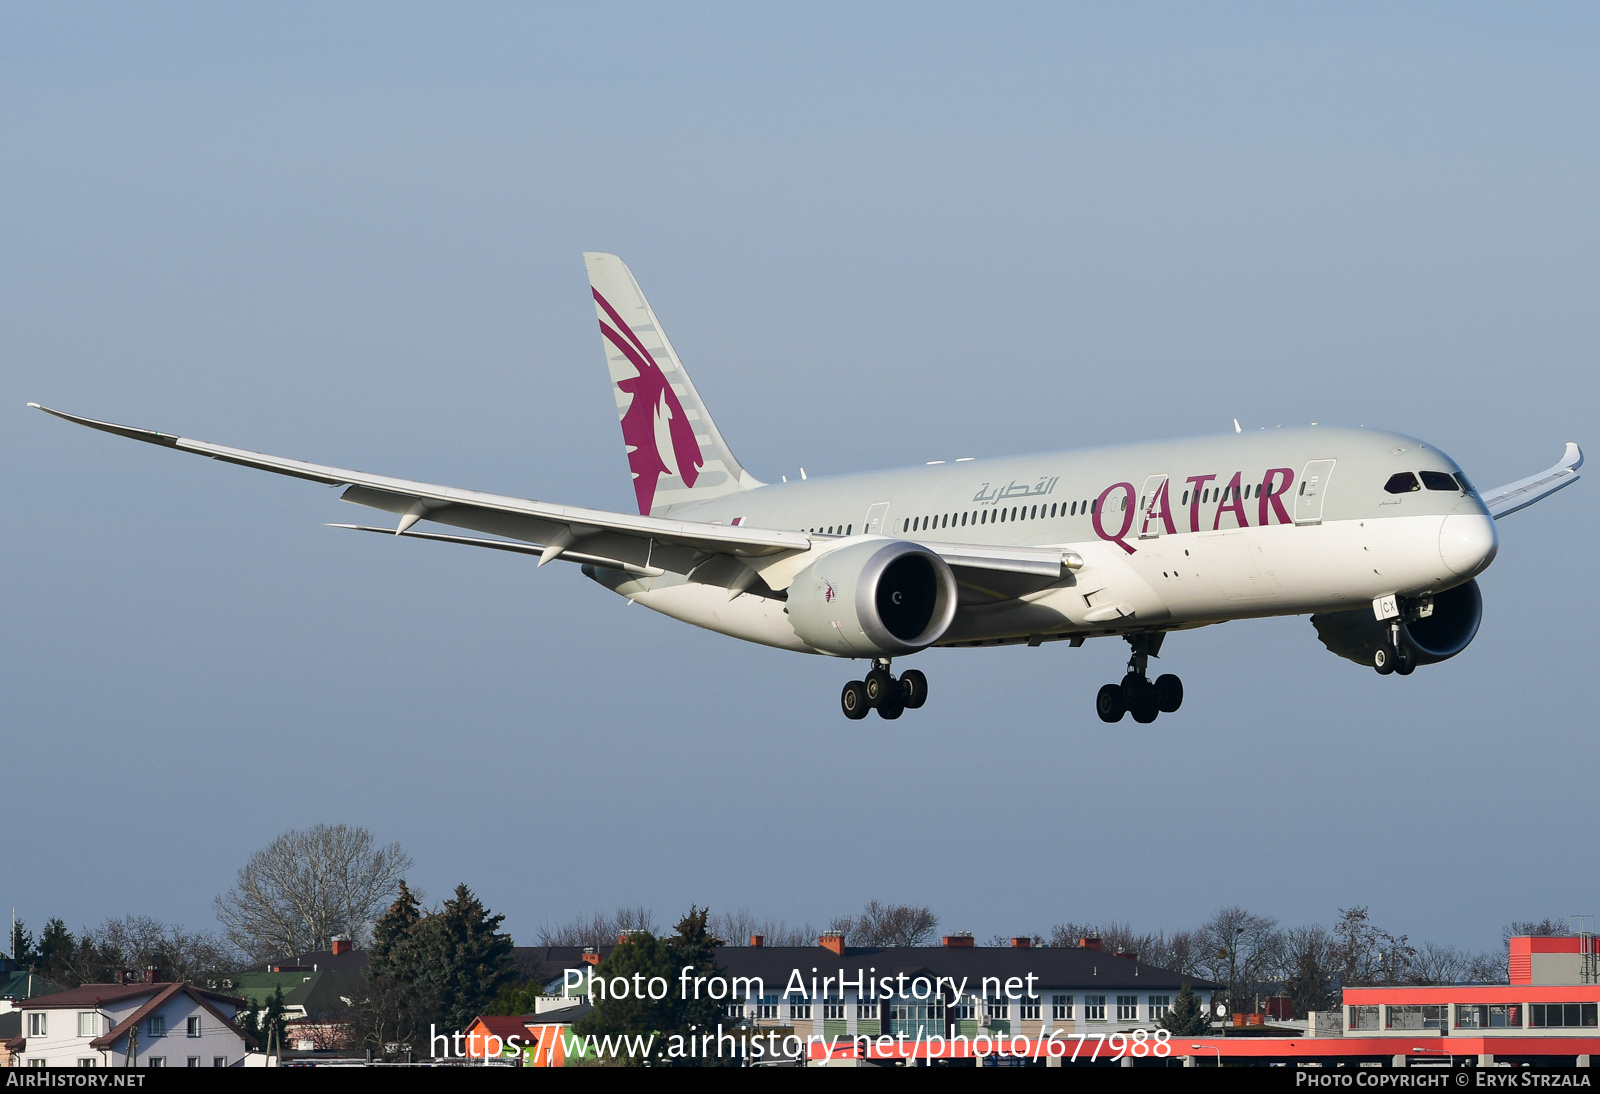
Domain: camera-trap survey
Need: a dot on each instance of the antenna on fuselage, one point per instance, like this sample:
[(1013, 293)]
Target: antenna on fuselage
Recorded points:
[(1236, 428)]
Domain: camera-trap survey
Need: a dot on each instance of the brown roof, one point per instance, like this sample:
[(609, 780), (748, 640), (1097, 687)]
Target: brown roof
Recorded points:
[(167, 991)]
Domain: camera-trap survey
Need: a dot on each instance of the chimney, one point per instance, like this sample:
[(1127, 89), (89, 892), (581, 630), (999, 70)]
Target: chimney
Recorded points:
[(758, 940), (1090, 943), (591, 955), (832, 940), (149, 974), (341, 945), (1131, 955), (1021, 943), (959, 940)]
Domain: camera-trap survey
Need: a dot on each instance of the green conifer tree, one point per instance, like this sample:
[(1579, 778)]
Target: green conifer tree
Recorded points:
[(461, 958), (1187, 1018), (392, 938)]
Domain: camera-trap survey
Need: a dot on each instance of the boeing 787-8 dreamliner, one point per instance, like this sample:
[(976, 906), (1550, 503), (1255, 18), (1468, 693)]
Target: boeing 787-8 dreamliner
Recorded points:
[(1378, 536)]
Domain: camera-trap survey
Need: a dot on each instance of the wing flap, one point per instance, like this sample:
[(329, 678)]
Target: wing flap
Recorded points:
[(1505, 500)]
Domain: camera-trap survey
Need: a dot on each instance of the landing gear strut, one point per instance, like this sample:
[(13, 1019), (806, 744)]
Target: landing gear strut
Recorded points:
[(882, 692), (1136, 695)]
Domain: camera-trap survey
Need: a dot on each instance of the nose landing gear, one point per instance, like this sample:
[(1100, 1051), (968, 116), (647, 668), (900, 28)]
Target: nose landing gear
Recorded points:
[(1394, 655), (1136, 694), (882, 692)]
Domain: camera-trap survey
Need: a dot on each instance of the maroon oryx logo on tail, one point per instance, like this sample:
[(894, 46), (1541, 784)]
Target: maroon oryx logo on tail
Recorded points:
[(653, 399)]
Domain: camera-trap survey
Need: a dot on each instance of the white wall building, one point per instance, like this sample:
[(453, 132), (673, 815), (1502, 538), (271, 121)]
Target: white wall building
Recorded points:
[(169, 1025)]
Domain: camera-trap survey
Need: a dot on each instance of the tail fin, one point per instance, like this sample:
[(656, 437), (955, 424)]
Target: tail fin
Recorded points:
[(675, 452)]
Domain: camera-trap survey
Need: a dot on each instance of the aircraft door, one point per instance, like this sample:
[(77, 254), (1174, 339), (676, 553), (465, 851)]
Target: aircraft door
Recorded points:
[(1313, 488), (1155, 508), (877, 515)]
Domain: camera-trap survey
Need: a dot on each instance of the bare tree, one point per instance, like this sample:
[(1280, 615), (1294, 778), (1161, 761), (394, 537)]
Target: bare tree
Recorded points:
[(735, 929), (1175, 952), (1244, 951), (598, 928), (137, 942), (888, 925), (1436, 964), (307, 886)]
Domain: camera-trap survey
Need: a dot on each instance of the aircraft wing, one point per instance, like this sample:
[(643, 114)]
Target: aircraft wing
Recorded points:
[(1505, 500), (554, 527), (642, 545)]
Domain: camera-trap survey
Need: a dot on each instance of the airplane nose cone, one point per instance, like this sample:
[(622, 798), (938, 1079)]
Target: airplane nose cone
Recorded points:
[(1467, 541)]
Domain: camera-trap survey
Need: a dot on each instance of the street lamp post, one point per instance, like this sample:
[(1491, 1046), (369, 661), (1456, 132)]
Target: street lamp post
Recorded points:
[(1213, 1048)]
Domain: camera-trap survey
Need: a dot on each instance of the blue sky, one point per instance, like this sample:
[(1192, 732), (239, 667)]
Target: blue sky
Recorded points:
[(877, 235)]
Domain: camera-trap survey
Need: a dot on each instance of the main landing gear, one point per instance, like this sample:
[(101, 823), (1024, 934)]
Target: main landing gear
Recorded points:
[(882, 692), (1394, 655), (1136, 695)]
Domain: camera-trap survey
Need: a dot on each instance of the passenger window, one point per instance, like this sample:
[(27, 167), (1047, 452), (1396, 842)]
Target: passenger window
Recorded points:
[(1035, 513), (1402, 482), (1438, 480)]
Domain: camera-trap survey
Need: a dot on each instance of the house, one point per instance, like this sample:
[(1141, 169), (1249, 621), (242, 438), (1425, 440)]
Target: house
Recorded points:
[(540, 1040), (956, 989), (147, 1022)]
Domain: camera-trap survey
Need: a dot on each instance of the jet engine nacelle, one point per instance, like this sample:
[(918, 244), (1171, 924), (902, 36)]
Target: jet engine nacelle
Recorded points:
[(876, 598), (1438, 636)]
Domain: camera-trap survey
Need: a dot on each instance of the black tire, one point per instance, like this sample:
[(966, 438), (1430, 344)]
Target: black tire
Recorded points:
[(1405, 661), (891, 707), (1383, 659), (854, 700), (879, 685), (1109, 705), (913, 688), (1169, 693)]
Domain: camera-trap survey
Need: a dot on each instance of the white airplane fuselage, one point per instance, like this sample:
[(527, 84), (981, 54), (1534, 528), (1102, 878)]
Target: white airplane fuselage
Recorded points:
[(1172, 534)]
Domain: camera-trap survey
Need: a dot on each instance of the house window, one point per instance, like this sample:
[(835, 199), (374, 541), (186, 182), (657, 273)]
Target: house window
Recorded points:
[(37, 1025), (193, 1026), (866, 1010), (833, 1009), (1127, 1008), (1061, 1008), (35, 1062), (1363, 1017), (157, 1026), (1094, 1008), (1159, 1005), (1419, 1016), (1568, 1015), (194, 1061), (1489, 1016), (800, 1010), (85, 1061), (219, 1061), (966, 1008), (997, 1008), (87, 1026), (735, 1010), (1030, 1009), (767, 1007), (155, 1061)]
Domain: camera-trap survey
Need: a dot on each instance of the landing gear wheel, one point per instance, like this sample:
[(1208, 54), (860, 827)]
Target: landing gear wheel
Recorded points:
[(1169, 693), (879, 685), (1405, 662), (1383, 660), (892, 706), (854, 700), (1109, 705), (913, 688)]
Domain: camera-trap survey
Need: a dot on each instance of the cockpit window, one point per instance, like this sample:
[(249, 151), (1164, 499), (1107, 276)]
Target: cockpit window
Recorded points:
[(1402, 482), (1462, 479), (1439, 480)]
